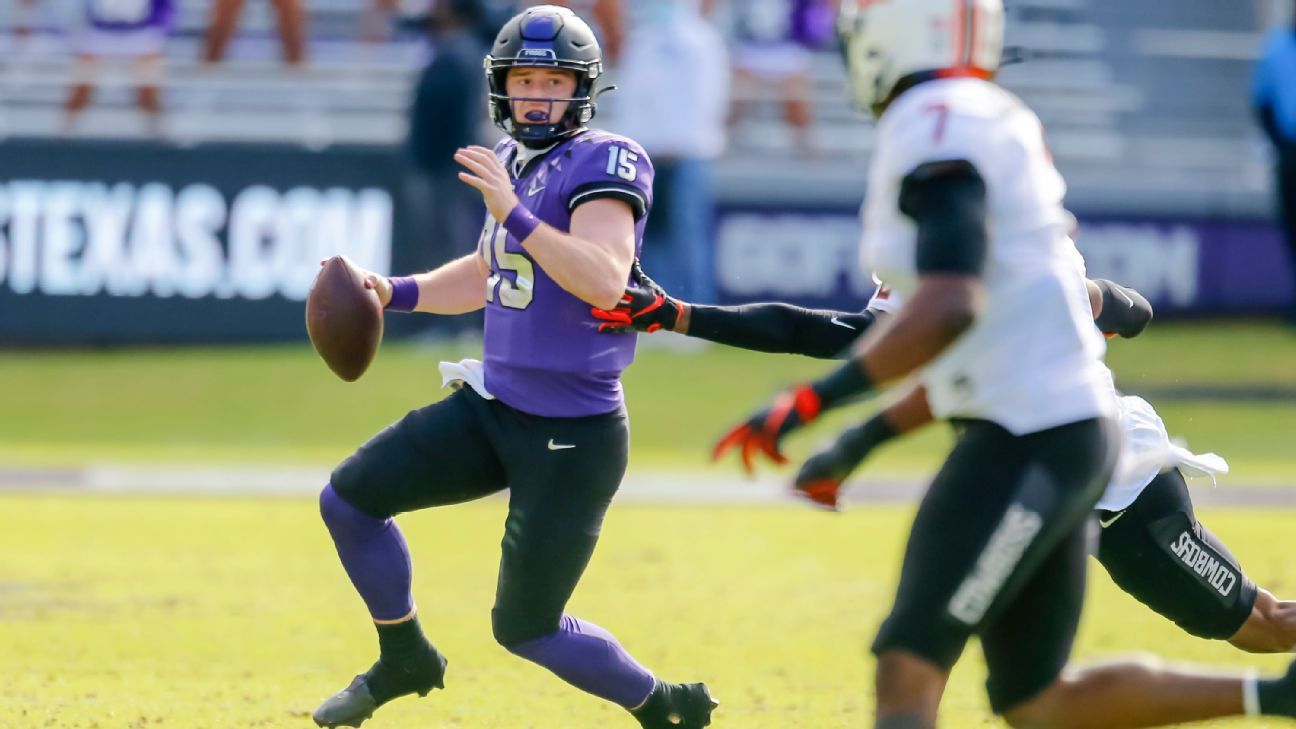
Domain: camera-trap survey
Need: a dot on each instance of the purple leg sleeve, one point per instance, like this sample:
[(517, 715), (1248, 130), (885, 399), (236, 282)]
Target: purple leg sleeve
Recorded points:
[(374, 554), (590, 658)]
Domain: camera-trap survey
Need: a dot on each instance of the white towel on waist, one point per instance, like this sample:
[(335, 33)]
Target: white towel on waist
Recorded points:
[(466, 371)]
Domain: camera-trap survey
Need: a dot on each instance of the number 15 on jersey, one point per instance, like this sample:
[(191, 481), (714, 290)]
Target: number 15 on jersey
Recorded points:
[(515, 293)]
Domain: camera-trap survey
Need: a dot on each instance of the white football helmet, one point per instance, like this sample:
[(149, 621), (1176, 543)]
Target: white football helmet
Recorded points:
[(885, 41)]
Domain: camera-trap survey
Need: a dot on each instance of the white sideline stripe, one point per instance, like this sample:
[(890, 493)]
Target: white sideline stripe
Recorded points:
[(704, 486), (666, 487)]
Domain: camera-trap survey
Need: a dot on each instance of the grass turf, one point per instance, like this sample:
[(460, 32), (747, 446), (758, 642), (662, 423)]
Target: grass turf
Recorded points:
[(185, 612), (279, 404)]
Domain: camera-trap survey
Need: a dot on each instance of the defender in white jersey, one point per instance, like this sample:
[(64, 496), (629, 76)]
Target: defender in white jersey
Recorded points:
[(1152, 544), (964, 217)]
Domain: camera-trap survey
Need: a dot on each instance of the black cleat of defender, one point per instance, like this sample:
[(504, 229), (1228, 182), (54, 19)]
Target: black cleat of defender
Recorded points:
[(677, 706), (383, 682)]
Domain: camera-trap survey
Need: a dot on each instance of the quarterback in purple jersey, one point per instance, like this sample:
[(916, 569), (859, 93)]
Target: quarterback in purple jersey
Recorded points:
[(542, 414)]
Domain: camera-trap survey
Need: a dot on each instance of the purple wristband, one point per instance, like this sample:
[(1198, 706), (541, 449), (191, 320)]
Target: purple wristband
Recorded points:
[(521, 223), (405, 293)]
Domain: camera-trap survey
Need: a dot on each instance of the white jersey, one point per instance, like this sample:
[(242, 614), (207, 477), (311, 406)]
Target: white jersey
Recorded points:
[(1032, 359)]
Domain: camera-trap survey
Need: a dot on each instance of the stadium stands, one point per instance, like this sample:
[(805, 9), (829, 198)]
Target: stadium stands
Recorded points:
[(1146, 105)]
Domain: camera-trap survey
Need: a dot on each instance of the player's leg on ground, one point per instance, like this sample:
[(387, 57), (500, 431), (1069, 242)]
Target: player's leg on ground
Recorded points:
[(996, 511), (1027, 643), (224, 20), (909, 690), (1159, 553), (1126, 695), (292, 30), (563, 473), (557, 502), (437, 455), (1019, 652)]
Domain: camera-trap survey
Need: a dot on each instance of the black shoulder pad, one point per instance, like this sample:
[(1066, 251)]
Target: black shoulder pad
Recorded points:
[(947, 199)]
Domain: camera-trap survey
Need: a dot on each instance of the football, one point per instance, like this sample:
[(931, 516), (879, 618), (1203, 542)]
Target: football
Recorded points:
[(344, 319)]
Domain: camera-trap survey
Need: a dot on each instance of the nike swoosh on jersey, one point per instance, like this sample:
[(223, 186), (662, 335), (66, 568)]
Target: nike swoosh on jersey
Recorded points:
[(841, 323), (1104, 523), (534, 190), (559, 446)]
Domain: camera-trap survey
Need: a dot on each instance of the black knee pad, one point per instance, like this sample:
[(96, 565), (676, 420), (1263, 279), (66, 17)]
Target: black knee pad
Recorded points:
[(513, 627)]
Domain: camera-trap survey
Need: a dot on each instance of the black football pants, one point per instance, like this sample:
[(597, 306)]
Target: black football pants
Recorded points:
[(561, 474), (998, 549)]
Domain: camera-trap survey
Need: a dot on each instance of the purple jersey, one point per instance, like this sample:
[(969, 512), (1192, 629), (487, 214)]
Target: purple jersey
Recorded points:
[(129, 14), (543, 352)]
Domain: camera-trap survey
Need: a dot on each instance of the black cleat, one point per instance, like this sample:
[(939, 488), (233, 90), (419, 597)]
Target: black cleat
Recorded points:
[(381, 683), (677, 706), (348, 707)]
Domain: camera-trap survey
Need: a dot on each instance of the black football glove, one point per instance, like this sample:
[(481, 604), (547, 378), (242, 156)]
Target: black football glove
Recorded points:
[(640, 279), (821, 476), (644, 307), (1124, 310)]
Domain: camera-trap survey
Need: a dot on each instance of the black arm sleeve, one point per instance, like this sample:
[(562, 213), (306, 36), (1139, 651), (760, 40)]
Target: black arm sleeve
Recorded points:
[(781, 328), (947, 200), (1124, 310)]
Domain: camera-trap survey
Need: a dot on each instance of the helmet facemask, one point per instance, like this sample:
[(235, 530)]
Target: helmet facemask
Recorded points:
[(538, 133)]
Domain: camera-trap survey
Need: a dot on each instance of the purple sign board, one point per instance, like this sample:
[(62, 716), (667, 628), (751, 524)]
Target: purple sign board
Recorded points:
[(1192, 266), (1182, 266)]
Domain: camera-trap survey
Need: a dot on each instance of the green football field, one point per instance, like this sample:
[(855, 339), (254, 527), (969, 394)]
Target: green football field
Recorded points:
[(193, 613), (187, 611)]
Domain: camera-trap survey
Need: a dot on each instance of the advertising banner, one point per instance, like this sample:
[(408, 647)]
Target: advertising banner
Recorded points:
[(1182, 266), (104, 243), (119, 243)]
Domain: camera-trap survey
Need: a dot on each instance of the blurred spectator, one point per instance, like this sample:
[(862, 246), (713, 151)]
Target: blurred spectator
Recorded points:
[(774, 40), (448, 110), (1275, 102), (674, 96), (117, 31), (291, 18), (24, 14), (375, 24)]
